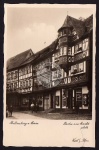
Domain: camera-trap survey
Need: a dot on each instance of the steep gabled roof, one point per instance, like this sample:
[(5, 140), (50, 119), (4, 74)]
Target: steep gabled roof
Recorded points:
[(17, 60), (47, 50), (89, 23), (79, 25)]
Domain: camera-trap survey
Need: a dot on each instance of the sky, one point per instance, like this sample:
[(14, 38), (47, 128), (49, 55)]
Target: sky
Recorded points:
[(36, 27)]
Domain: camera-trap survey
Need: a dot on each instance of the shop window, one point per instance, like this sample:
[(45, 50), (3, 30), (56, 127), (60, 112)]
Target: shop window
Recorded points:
[(79, 97), (85, 99), (57, 100), (25, 101)]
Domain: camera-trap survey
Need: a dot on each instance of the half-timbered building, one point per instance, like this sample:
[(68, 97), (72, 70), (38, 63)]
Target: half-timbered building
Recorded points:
[(35, 77)]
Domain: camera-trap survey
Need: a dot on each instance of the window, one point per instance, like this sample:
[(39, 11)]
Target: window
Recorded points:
[(24, 84), (77, 68), (81, 67), (15, 85), (54, 74), (16, 74), (69, 51), (62, 40), (57, 100), (65, 31), (79, 97), (80, 46), (30, 82), (11, 75), (35, 82), (20, 84), (76, 48), (85, 44), (63, 50), (23, 71), (11, 85), (60, 33), (27, 83), (19, 72)]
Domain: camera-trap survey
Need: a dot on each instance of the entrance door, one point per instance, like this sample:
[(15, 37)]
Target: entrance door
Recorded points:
[(46, 102), (69, 100)]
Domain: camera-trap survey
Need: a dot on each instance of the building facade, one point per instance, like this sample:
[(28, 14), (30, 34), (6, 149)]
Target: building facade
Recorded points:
[(37, 79)]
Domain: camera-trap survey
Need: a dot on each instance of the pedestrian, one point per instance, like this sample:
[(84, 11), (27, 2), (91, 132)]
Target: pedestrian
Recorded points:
[(32, 107), (11, 109)]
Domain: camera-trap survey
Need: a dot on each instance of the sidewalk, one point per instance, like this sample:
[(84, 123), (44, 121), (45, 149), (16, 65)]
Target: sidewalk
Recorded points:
[(59, 116)]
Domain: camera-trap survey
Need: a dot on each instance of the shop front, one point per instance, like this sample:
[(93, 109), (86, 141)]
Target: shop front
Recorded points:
[(72, 97)]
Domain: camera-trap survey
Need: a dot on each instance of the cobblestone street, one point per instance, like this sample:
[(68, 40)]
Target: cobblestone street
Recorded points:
[(53, 116)]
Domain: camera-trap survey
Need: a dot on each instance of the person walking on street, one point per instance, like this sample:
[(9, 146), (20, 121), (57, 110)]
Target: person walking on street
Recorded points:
[(32, 107)]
